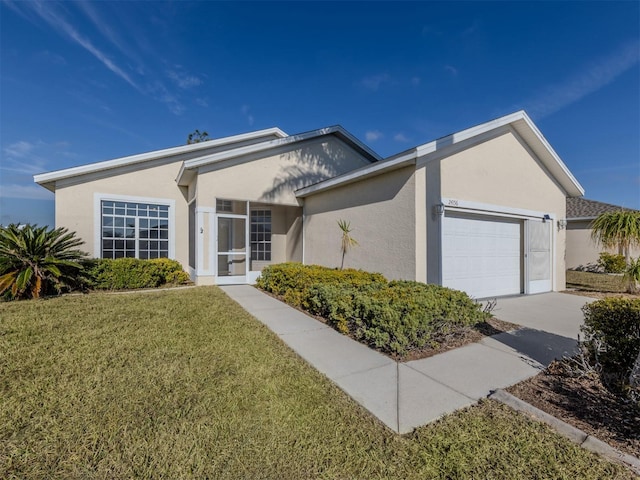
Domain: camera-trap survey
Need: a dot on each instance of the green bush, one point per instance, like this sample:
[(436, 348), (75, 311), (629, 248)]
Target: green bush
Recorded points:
[(612, 337), (132, 273), (293, 281), (612, 263), (395, 317)]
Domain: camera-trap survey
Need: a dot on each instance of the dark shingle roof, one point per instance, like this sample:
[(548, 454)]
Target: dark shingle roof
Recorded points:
[(578, 207)]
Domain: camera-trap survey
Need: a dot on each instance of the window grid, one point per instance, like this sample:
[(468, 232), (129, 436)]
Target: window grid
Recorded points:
[(261, 235), (135, 230)]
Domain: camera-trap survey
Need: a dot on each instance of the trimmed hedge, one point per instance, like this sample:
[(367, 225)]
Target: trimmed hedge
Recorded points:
[(612, 337), (395, 317), (132, 273), (293, 281)]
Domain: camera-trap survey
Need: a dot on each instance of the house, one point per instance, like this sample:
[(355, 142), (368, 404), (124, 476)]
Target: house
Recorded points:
[(482, 210), (582, 249)]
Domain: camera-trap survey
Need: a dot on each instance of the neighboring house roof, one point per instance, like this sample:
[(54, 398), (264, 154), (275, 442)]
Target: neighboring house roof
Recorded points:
[(190, 166), (48, 179), (579, 208), (518, 121)]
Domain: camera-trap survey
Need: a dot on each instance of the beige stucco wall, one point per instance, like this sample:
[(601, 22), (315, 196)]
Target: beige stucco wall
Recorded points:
[(74, 202), (582, 249), (381, 211), (273, 179), (502, 171)]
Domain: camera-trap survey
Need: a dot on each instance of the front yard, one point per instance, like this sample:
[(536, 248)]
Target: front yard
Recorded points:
[(185, 384)]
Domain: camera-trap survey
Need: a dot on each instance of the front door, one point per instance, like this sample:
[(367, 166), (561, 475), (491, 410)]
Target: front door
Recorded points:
[(231, 248)]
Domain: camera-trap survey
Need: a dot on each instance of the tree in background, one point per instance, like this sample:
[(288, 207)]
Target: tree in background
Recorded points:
[(197, 136), (618, 229), (36, 261), (347, 240)]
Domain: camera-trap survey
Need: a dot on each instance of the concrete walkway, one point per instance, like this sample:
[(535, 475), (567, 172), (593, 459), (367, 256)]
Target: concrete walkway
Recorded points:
[(408, 395)]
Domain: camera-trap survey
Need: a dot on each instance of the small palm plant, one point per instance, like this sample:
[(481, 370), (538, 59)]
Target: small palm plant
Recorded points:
[(618, 229), (347, 240), (632, 276), (35, 260)]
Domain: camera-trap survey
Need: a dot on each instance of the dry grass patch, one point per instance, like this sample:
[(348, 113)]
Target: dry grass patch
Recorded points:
[(185, 384)]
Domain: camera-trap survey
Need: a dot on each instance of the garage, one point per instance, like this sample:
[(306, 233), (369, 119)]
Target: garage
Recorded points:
[(482, 255)]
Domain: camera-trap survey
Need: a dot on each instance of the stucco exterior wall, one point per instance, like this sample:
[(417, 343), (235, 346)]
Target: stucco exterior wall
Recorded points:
[(274, 179), (503, 171), (581, 249), (74, 202), (381, 211)]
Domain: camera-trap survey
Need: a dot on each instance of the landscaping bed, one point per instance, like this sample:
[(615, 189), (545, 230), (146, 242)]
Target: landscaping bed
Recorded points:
[(584, 402), (402, 319)]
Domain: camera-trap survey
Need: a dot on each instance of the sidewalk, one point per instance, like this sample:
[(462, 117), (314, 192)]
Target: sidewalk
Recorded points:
[(406, 395)]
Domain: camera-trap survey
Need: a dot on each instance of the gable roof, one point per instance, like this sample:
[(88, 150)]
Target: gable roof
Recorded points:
[(579, 208), (190, 166), (48, 179), (518, 121)]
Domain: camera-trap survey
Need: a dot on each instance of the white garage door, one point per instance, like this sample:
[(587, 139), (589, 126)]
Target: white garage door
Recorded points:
[(481, 255)]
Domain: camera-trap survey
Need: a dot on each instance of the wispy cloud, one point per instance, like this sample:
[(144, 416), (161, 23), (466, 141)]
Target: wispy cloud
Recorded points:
[(373, 135), (246, 111), (453, 71), (19, 149), (401, 137), (594, 77), (32, 192), (374, 82), (182, 79), (59, 23)]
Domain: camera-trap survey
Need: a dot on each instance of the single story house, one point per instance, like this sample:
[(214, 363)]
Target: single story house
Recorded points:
[(582, 250), (482, 210)]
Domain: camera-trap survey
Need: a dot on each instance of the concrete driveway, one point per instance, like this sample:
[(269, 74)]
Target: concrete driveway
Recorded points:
[(557, 313)]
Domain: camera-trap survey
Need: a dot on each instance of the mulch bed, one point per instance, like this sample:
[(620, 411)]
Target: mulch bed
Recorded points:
[(601, 295), (584, 402)]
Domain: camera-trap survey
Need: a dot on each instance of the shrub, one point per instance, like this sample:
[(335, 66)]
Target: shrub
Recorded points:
[(395, 318), (293, 281), (132, 273), (632, 276), (38, 260), (612, 263), (612, 337)]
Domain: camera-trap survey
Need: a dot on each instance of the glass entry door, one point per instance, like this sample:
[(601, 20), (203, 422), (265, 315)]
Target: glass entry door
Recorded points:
[(231, 248)]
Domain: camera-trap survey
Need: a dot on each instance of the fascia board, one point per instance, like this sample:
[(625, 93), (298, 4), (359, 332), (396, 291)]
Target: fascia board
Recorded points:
[(359, 174), (144, 157), (542, 148), (263, 146)]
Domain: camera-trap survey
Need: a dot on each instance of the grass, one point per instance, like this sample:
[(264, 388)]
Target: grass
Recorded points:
[(185, 384), (595, 282)]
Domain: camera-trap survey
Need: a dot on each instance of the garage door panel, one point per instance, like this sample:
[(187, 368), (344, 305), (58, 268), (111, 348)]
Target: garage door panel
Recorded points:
[(481, 255)]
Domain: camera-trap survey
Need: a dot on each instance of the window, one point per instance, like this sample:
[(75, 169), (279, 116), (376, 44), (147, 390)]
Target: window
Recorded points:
[(261, 235), (136, 230)]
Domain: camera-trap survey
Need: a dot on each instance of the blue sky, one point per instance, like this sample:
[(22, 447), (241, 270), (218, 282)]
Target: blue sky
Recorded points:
[(84, 82)]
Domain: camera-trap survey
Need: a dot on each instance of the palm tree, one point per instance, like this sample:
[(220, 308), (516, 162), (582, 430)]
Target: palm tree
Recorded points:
[(618, 229), (35, 260), (347, 240)]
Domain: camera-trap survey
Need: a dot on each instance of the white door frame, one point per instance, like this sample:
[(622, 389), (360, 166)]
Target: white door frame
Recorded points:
[(232, 279)]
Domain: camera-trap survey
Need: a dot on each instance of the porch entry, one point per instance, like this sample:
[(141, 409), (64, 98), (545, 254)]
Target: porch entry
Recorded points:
[(242, 238)]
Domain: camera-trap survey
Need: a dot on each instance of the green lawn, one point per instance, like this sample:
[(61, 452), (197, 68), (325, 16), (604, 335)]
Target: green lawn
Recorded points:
[(185, 384), (595, 282)]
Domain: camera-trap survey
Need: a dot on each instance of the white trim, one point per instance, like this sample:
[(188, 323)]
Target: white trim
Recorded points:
[(487, 208), (154, 155), (97, 218), (518, 121), (271, 144)]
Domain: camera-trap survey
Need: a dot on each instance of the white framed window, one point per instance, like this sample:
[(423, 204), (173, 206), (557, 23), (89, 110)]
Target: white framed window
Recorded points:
[(134, 227), (261, 235)]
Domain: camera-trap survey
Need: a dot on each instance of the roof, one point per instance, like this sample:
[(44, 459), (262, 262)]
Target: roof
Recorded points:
[(579, 208), (192, 165), (518, 121), (48, 179)]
